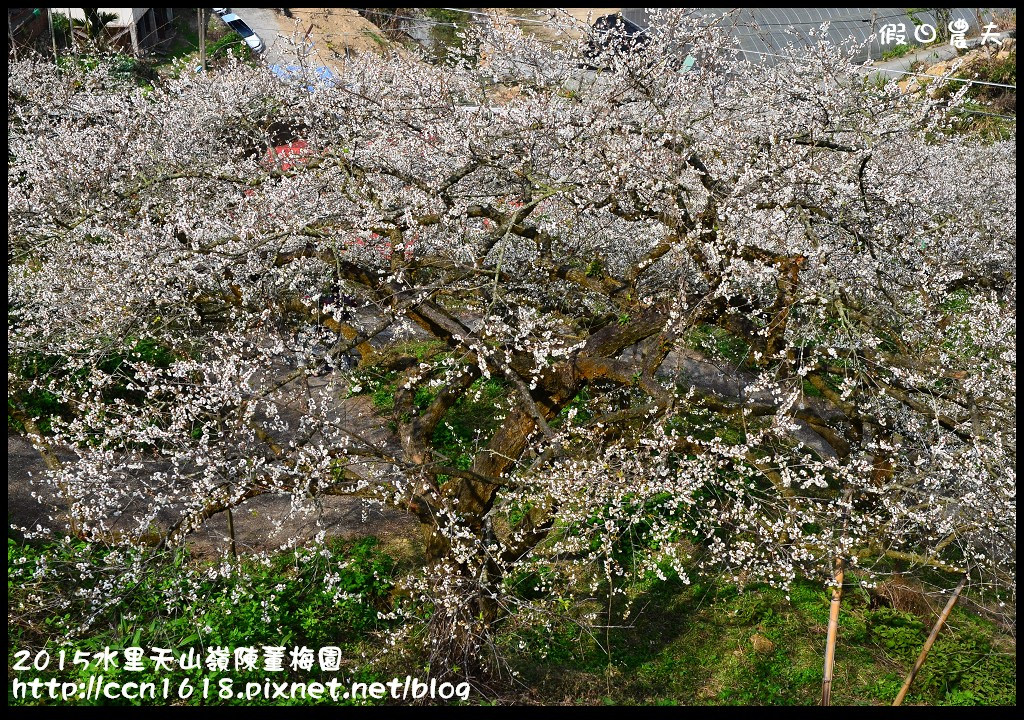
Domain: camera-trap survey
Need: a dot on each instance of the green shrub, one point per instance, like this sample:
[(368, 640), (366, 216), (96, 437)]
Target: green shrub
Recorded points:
[(899, 633)]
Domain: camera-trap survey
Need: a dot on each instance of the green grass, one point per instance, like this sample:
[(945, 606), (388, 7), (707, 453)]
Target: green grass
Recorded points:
[(682, 645), (185, 41), (234, 42), (300, 598), (693, 645), (472, 419), (185, 46), (897, 51), (718, 343), (381, 384), (999, 104), (446, 41)]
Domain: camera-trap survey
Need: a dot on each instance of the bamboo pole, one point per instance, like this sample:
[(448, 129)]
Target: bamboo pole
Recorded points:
[(929, 642), (833, 631), (201, 19), (232, 549), (10, 37), (53, 36)]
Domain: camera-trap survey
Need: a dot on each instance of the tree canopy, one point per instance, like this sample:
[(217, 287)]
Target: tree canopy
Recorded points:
[(633, 315)]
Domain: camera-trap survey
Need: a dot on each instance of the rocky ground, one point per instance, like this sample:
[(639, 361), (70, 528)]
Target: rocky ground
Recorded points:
[(964, 62), (262, 523)]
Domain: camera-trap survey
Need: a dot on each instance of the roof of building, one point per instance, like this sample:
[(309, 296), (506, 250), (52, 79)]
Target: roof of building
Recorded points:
[(763, 33)]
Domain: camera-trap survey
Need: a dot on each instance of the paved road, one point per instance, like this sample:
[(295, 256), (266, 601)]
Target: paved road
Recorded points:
[(927, 56), (269, 25)]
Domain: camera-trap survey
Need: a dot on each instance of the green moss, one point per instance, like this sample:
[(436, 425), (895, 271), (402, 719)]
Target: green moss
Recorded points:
[(809, 389), (717, 342)]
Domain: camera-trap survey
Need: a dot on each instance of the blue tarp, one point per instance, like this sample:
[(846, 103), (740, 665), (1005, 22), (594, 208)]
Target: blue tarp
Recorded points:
[(320, 75)]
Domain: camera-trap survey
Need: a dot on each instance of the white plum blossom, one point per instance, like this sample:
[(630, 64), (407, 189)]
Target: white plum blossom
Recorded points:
[(743, 318)]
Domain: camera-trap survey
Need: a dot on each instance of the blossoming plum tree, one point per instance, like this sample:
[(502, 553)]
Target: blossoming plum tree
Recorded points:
[(740, 318)]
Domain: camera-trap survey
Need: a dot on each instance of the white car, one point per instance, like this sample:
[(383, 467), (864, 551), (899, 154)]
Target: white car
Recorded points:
[(251, 38), (221, 12)]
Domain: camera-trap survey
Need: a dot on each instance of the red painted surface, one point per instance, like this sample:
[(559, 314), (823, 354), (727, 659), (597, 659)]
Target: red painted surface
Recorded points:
[(286, 156)]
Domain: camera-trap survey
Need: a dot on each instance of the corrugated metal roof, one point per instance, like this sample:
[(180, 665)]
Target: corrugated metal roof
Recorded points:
[(762, 32)]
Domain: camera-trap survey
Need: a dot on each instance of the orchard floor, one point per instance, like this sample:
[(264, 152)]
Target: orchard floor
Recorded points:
[(699, 643), (706, 644), (684, 644), (263, 523), (266, 522)]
